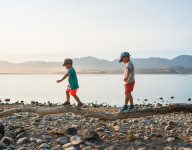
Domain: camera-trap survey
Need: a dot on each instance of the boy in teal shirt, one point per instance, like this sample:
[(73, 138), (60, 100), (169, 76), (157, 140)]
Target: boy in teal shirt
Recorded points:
[(73, 82)]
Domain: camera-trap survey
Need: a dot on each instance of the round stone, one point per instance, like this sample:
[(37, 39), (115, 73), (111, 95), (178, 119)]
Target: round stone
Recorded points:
[(76, 140)]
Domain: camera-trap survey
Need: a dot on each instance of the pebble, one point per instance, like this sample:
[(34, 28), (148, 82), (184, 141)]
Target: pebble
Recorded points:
[(71, 148), (39, 141), (2, 145), (117, 128), (10, 127), (99, 125), (23, 148), (90, 135), (32, 139), (62, 140), (2, 128), (21, 135), (8, 140), (76, 140), (71, 131), (19, 131), (170, 139), (87, 148), (67, 145), (11, 134), (44, 146), (22, 141), (168, 127), (142, 148)]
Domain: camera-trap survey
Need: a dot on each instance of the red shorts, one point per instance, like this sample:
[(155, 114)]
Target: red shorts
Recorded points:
[(130, 86), (72, 91)]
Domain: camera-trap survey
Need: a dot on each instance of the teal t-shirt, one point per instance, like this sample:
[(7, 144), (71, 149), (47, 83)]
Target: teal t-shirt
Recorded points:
[(73, 82)]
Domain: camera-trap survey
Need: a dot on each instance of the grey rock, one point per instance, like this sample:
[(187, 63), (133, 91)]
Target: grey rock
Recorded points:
[(10, 127), (39, 141), (189, 130), (92, 120), (114, 124), (62, 140), (76, 140), (99, 125), (142, 148), (170, 139), (10, 134), (57, 123), (87, 148), (183, 144), (8, 140), (168, 127), (67, 145), (71, 148), (124, 121), (36, 124), (19, 131), (168, 148), (44, 146), (22, 141), (2, 145), (12, 147), (159, 136), (185, 148), (32, 139), (146, 138), (71, 131), (23, 148), (90, 135), (117, 128), (55, 148), (171, 123), (2, 128), (22, 135)]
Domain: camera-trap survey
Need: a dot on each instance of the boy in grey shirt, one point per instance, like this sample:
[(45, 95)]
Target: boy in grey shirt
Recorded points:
[(129, 79)]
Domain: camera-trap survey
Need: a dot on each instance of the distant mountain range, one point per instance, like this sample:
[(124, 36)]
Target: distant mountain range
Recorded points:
[(177, 65)]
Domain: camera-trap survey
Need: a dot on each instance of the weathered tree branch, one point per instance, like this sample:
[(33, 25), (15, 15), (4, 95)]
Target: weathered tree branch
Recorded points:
[(178, 107)]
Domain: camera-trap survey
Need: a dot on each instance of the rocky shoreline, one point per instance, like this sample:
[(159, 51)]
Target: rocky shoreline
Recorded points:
[(26, 131)]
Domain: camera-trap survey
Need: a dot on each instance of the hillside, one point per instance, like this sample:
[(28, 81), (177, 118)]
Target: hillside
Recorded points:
[(177, 65)]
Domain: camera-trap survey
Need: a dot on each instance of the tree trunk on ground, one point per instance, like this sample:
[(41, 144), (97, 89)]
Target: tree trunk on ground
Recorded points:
[(136, 113)]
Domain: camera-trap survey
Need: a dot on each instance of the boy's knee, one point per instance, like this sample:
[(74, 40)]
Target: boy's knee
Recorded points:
[(67, 92), (74, 96), (128, 93)]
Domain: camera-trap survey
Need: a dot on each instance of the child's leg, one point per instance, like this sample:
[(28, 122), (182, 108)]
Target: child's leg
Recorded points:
[(67, 95), (77, 99), (130, 98), (126, 97)]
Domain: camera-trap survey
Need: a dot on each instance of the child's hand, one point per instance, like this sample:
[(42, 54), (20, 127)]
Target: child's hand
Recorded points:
[(58, 81), (125, 79)]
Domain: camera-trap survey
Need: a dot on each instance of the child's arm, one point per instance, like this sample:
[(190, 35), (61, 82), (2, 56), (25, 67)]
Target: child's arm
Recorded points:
[(127, 74), (65, 76)]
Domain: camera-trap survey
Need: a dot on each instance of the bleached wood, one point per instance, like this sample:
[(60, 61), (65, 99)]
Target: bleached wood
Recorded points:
[(136, 113)]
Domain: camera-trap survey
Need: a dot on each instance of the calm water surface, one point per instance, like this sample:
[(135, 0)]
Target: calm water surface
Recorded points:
[(101, 88)]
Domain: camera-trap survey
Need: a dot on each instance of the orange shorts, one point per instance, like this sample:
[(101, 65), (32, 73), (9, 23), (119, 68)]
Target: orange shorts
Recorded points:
[(130, 86), (72, 91)]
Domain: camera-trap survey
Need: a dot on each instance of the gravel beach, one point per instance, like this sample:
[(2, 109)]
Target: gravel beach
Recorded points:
[(26, 131)]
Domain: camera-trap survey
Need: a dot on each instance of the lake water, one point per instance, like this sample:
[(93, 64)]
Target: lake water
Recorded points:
[(104, 88)]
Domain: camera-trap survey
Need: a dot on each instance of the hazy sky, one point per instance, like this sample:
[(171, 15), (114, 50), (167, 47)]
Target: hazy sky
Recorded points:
[(52, 30)]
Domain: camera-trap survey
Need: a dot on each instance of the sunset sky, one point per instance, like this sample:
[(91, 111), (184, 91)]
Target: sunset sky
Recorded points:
[(51, 30)]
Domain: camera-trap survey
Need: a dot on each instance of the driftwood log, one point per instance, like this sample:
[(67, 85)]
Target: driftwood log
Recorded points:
[(136, 113)]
